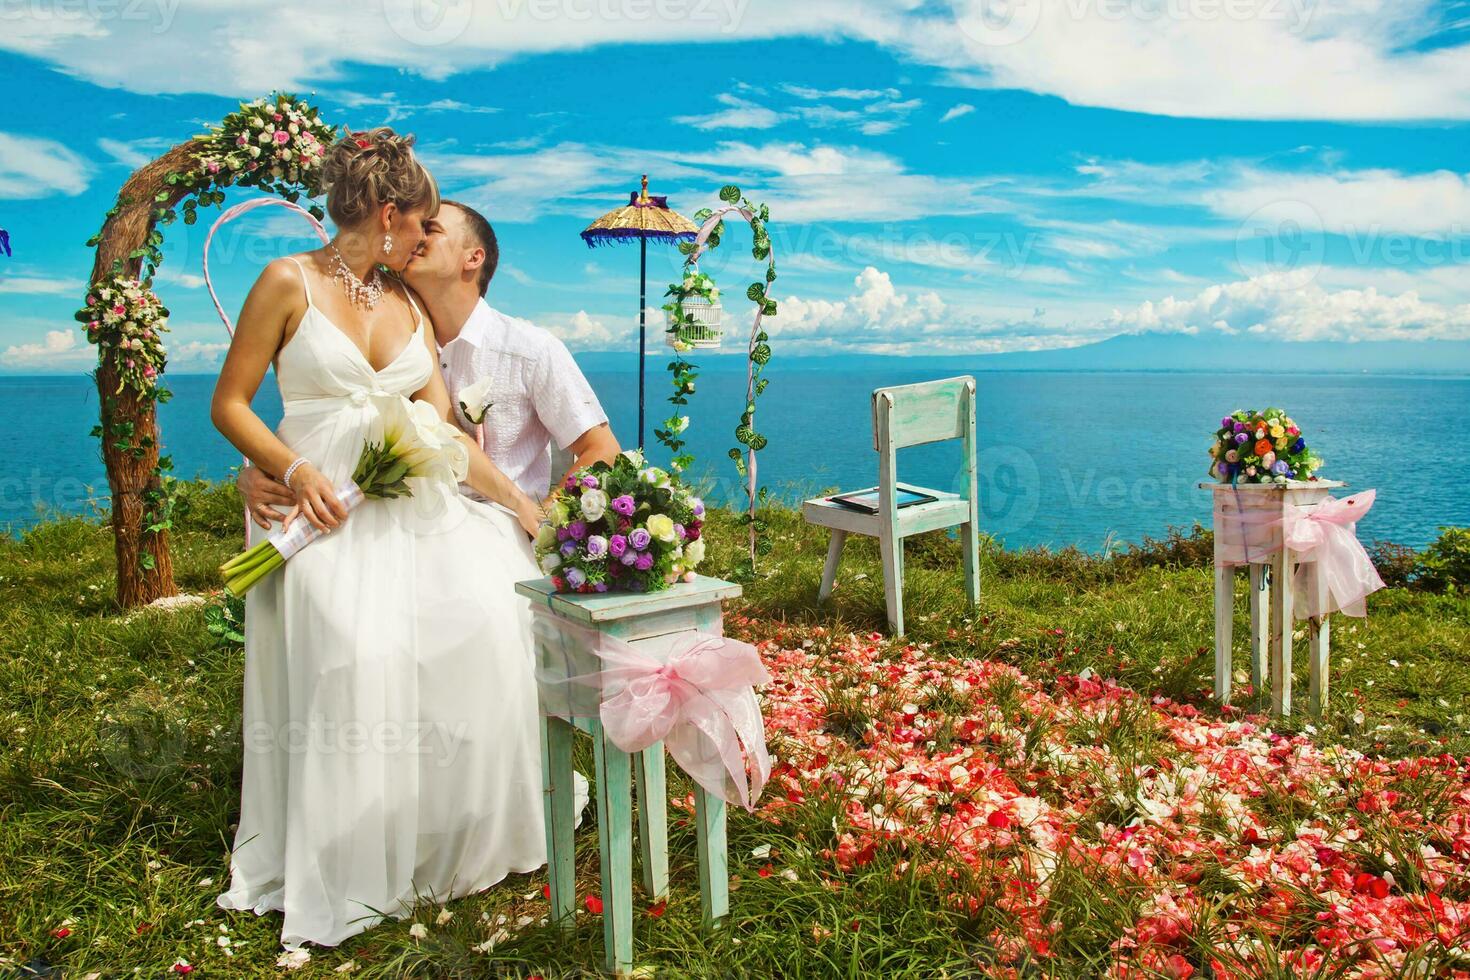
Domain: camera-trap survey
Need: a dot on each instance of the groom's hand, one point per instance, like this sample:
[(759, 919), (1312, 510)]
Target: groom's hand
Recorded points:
[(264, 496)]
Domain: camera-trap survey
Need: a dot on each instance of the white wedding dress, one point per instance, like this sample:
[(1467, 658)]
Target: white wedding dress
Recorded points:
[(390, 720)]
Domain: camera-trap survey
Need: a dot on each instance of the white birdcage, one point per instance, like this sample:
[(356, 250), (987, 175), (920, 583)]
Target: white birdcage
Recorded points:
[(703, 331)]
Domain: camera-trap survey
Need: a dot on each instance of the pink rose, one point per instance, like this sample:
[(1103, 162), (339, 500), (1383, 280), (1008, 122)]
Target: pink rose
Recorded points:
[(119, 309), (212, 167), (282, 136)]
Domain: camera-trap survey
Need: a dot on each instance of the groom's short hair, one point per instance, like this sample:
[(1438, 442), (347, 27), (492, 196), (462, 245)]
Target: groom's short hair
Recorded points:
[(479, 229)]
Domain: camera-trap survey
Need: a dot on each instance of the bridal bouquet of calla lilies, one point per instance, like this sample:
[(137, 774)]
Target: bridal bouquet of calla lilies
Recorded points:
[(409, 447), (626, 527)]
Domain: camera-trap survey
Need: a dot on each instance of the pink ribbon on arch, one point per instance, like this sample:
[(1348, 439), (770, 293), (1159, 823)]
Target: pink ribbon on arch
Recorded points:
[(1250, 529), (699, 701), (230, 214)]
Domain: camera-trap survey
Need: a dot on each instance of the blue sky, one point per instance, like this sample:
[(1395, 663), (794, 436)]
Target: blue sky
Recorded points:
[(966, 177)]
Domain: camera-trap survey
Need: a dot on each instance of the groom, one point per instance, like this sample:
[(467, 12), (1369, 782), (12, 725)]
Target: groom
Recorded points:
[(536, 392)]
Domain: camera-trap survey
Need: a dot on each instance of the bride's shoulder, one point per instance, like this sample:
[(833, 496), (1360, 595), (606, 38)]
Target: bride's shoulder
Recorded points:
[(285, 272)]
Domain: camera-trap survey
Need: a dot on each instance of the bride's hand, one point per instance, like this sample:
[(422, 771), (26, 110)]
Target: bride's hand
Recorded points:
[(530, 515), (317, 498)]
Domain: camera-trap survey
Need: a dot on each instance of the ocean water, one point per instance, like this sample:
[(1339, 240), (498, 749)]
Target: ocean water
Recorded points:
[(1065, 458)]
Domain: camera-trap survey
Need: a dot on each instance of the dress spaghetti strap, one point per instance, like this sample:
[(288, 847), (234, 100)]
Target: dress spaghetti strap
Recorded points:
[(304, 284), (418, 315)]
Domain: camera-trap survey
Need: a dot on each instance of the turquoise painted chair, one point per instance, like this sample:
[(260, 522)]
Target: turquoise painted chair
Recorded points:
[(911, 415)]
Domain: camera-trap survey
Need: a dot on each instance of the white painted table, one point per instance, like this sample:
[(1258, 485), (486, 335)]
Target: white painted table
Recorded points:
[(652, 623), (1272, 613)]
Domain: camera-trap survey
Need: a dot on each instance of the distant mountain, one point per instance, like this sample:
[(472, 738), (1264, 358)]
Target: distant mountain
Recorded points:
[(1131, 352)]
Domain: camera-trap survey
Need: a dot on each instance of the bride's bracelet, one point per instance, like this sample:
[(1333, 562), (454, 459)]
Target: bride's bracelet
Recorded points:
[(286, 479)]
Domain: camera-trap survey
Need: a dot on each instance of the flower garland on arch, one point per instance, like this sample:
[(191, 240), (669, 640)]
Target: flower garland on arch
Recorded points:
[(275, 144), (758, 355)]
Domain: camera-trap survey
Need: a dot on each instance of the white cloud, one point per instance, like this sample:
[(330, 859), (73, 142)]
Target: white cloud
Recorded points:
[(59, 349), (1257, 59), (1268, 59), (956, 111), (875, 311), (196, 356), (134, 153), (41, 286), (1292, 306), (1354, 202), (738, 114), (34, 167)]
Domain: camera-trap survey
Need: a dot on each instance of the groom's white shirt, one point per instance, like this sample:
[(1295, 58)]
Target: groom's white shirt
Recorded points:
[(537, 393)]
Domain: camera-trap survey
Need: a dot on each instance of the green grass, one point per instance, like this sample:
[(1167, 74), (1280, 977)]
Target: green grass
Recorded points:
[(120, 759)]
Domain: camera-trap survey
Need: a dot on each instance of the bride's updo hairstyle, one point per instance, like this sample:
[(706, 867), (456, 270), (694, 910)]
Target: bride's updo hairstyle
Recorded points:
[(369, 168)]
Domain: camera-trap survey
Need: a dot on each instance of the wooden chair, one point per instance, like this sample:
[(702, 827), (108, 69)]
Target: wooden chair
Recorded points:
[(911, 415)]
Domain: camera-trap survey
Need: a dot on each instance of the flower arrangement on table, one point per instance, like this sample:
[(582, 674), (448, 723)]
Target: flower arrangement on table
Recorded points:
[(409, 449), (126, 320), (625, 527), (688, 329), (1261, 447)]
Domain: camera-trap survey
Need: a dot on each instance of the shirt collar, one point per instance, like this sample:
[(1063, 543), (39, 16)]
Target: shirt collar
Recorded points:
[(476, 327)]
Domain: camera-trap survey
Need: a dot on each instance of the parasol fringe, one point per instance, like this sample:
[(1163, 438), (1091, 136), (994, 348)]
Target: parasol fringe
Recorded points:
[(609, 236)]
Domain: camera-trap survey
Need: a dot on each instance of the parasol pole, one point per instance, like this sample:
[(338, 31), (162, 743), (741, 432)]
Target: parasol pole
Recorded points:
[(642, 313)]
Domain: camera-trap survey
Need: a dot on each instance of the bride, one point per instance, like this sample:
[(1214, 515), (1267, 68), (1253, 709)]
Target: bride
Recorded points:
[(390, 730)]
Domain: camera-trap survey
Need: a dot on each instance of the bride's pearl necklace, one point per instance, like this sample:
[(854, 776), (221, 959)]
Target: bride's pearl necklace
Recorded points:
[(359, 293)]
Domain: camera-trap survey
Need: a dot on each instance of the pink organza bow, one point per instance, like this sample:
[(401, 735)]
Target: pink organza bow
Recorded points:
[(1326, 534), (699, 700)]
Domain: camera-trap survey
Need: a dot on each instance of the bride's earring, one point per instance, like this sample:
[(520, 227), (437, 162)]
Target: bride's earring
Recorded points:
[(387, 244)]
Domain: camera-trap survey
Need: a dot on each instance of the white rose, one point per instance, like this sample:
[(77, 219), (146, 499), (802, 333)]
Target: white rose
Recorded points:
[(254, 152), (550, 564), (634, 456), (264, 137), (594, 504), (694, 552)]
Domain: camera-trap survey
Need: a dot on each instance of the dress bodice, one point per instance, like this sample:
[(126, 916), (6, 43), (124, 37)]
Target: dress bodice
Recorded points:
[(320, 368)]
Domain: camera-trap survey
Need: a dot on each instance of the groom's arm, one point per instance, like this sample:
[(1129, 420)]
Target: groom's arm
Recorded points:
[(597, 444), (569, 410)]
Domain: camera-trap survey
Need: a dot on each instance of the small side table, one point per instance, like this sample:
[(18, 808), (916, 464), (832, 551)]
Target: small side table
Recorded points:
[(652, 623), (1271, 598)]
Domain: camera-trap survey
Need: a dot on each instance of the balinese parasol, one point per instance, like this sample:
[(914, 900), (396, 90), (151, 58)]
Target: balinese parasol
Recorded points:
[(642, 218)]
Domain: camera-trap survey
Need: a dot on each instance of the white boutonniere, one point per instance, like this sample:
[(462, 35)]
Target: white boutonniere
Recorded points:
[(474, 401)]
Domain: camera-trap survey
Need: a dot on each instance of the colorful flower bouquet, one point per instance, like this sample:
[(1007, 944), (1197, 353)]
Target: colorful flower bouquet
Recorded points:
[(627, 527), (409, 448), (1261, 447), (126, 320)]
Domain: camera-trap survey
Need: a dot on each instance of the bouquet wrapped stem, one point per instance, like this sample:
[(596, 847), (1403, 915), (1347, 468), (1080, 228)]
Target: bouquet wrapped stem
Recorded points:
[(407, 441)]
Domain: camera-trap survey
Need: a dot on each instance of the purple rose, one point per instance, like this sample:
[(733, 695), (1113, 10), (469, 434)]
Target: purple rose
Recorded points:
[(1227, 423), (1239, 427), (698, 507), (569, 549), (640, 538), (589, 481), (1241, 438), (596, 546), (679, 531), (576, 578), (629, 557), (1281, 467), (577, 529), (644, 562), (600, 586), (562, 534), (624, 505), (617, 544)]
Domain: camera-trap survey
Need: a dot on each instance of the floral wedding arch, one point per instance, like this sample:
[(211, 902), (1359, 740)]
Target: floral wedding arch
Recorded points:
[(275, 144)]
